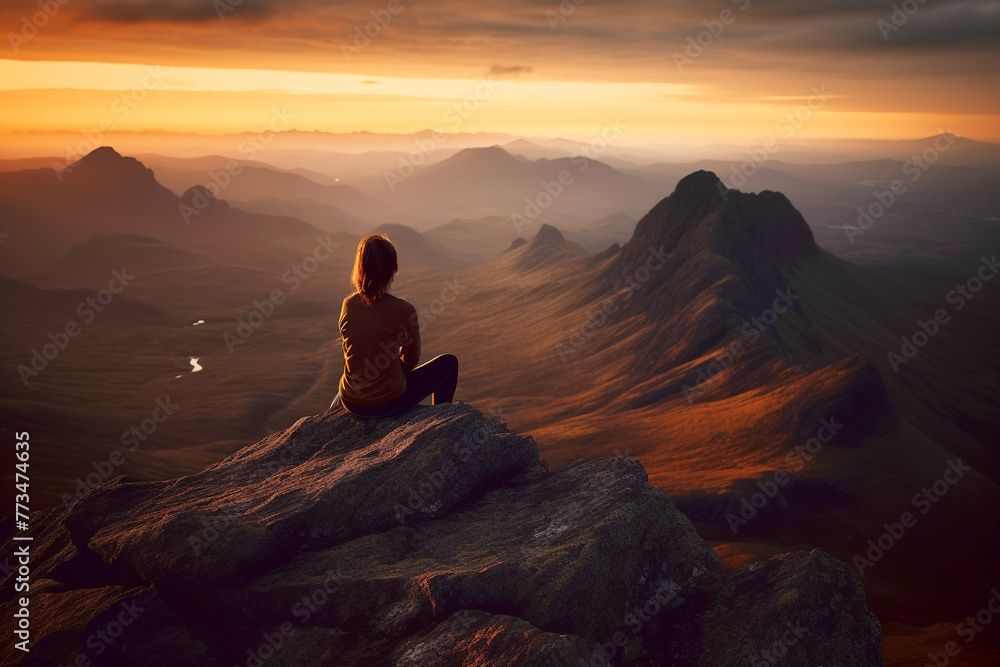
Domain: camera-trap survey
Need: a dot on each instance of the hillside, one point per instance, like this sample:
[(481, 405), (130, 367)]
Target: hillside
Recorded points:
[(104, 192), (480, 182), (715, 345)]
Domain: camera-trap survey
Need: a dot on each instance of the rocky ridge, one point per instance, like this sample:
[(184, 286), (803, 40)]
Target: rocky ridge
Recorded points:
[(435, 538)]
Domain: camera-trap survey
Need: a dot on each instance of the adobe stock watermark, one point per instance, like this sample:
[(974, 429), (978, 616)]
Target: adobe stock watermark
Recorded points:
[(88, 310), (598, 317), (562, 13), (900, 15), (423, 492), (785, 127), (121, 108), (436, 307), (795, 459), (562, 520), (924, 500), (295, 277), (455, 116), (968, 630), (884, 199), (430, 652), (705, 38), (550, 191), (925, 330), (131, 439), (223, 7), (752, 331), (364, 34), (220, 179), (102, 639), (31, 26), (212, 528), (302, 609), (420, 319), (665, 596), (775, 653)]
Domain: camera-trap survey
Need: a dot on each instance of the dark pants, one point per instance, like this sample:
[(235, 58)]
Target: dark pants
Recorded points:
[(436, 378)]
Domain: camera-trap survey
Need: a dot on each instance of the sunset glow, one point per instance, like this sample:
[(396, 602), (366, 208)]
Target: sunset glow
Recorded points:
[(691, 72)]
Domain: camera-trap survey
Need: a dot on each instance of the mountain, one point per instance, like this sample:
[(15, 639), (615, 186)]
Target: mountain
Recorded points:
[(547, 245), (36, 306), (349, 168), (206, 164), (282, 144), (946, 147), (413, 247), (322, 216), (941, 216), (49, 212), (20, 164), (534, 151), (479, 240), (719, 341), (247, 184), (747, 368), (433, 538), (479, 182)]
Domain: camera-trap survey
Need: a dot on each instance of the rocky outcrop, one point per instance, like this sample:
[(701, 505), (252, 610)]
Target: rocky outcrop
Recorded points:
[(435, 538), (546, 246), (515, 244)]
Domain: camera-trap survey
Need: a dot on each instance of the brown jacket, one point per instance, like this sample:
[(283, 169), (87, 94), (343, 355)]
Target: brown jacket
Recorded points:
[(379, 341)]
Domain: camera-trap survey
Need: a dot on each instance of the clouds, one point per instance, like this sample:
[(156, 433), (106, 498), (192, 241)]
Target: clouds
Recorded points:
[(773, 48), (463, 26), (175, 11), (508, 72)]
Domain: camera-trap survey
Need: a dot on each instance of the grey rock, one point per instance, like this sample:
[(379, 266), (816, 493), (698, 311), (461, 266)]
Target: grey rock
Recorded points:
[(434, 538)]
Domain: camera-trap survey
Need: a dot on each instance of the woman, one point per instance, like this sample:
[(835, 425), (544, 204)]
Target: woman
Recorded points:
[(381, 340)]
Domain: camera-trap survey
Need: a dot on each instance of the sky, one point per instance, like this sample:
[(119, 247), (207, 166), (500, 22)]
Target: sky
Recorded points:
[(687, 71)]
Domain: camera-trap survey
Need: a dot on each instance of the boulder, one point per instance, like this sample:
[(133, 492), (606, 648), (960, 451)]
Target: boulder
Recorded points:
[(434, 538)]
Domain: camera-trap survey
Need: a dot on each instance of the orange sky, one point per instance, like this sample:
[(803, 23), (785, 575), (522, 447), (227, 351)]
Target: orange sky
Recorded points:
[(181, 66)]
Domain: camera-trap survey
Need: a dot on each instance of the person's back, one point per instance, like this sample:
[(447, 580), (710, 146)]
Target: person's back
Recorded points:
[(374, 336), (380, 336)]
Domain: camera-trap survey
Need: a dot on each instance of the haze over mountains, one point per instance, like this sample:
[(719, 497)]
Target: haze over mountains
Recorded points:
[(946, 214), (710, 333)]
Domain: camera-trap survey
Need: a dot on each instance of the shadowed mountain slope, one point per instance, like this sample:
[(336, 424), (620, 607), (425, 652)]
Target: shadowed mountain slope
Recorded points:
[(714, 346), (49, 212)]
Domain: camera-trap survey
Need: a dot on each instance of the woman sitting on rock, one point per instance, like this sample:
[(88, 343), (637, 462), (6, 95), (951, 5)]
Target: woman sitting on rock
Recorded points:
[(381, 340)]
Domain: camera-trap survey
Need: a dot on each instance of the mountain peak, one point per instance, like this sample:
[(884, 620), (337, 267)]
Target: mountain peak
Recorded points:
[(105, 164), (102, 154), (747, 227), (549, 240), (547, 245), (701, 182), (200, 198), (549, 235), (515, 244), (481, 155), (198, 191)]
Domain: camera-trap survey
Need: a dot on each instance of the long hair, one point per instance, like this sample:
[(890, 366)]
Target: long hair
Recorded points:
[(375, 266)]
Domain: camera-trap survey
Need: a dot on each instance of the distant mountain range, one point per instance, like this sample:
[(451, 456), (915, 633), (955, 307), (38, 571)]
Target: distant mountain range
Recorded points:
[(298, 148), (49, 212), (708, 335), (476, 182)]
